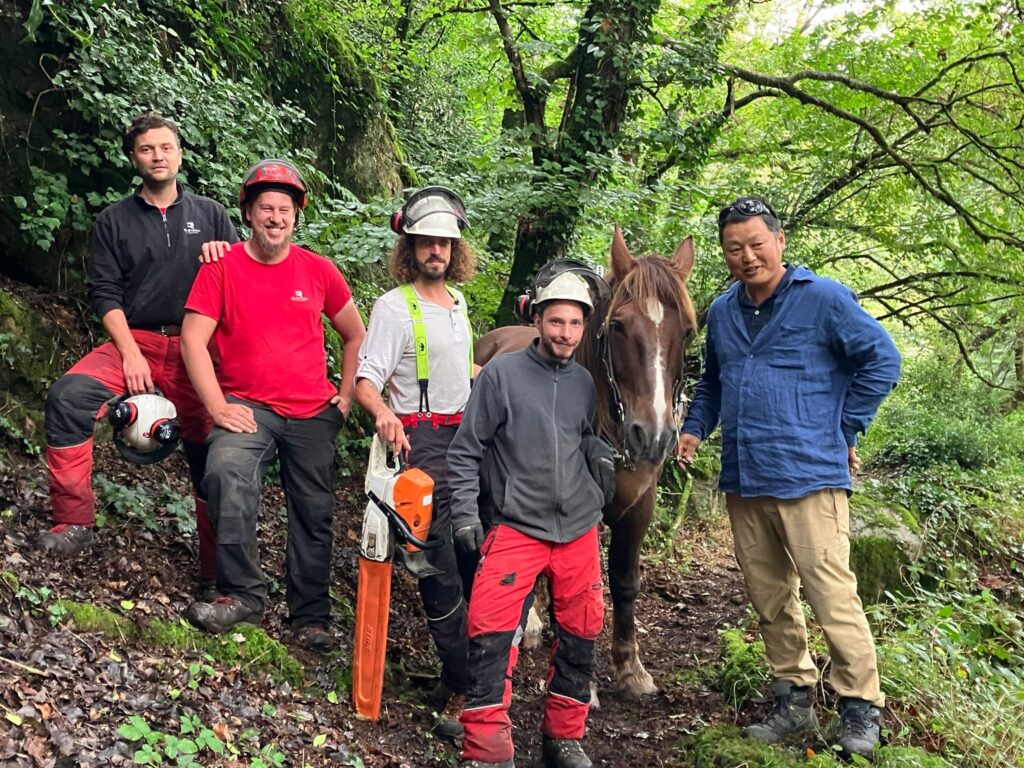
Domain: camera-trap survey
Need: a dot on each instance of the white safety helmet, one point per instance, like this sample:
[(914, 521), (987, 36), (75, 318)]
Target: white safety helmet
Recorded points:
[(145, 427), (432, 211), (568, 286)]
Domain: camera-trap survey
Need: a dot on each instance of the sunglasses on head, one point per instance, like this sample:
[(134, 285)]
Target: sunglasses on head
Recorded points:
[(747, 206)]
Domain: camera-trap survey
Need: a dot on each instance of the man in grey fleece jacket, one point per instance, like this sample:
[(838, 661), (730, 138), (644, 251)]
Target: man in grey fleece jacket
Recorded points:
[(548, 474)]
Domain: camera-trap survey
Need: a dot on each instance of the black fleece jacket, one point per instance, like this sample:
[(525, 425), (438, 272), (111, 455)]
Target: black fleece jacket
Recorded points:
[(144, 261), (535, 416)]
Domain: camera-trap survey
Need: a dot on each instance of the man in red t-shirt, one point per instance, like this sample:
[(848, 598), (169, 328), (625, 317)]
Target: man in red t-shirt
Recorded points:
[(262, 309)]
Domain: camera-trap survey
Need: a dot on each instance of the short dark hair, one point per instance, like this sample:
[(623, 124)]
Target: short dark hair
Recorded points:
[(746, 208), (147, 122)]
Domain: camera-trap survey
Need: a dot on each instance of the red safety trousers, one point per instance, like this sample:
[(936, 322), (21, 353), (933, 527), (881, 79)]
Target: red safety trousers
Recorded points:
[(509, 566), (79, 398)]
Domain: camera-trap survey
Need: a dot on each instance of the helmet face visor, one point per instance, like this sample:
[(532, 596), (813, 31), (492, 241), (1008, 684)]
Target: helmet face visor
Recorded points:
[(434, 211)]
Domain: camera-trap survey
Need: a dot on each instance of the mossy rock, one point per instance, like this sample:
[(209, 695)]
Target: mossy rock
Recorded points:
[(744, 670), (884, 539), (255, 650), (29, 362), (725, 747)]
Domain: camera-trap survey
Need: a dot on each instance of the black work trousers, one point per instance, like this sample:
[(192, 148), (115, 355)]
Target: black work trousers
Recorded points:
[(234, 470), (444, 596)]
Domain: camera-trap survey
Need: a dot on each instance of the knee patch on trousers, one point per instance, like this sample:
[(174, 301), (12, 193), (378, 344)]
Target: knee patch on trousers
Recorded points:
[(573, 667), (71, 407)]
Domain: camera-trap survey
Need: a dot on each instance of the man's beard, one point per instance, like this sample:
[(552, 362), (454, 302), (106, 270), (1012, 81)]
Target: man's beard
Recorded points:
[(268, 247), (421, 271), (549, 348)]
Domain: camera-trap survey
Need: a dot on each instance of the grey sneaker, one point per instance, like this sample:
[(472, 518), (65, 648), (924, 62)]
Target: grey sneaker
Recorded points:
[(221, 615), (792, 714), (448, 726), (65, 539), (564, 753), (860, 727)]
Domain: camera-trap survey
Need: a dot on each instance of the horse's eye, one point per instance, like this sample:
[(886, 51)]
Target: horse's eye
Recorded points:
[(616, 326)]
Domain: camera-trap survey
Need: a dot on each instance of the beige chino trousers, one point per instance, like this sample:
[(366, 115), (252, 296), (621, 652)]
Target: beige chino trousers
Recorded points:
[(783, 543)]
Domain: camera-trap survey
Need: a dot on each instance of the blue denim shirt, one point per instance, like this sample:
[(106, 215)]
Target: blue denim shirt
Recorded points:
[(795, 398)]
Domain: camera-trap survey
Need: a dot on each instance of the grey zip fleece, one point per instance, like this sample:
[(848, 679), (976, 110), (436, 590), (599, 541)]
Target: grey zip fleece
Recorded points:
[(535, 418)]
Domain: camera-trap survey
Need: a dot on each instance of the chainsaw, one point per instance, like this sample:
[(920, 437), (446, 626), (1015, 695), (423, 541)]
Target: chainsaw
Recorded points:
[(395, 527)]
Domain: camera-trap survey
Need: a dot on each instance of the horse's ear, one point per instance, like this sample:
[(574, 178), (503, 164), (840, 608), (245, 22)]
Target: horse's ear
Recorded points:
[(682, 259), (621, 259)]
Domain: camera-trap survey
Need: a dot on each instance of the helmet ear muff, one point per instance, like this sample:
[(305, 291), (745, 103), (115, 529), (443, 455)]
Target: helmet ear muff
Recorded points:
[(396, 221), (523, 307)]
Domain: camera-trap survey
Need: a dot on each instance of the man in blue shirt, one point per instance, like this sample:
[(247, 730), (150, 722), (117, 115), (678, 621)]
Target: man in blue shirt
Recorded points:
[(794, 370)]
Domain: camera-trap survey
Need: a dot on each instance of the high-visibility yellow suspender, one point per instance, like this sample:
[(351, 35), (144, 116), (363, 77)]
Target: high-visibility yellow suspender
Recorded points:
[(419, 334)]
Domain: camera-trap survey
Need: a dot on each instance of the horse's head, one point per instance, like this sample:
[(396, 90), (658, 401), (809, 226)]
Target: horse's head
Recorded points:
[(642, 335)]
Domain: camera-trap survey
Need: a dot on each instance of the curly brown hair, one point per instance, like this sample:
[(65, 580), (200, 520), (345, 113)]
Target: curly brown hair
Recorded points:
[(404, 268)]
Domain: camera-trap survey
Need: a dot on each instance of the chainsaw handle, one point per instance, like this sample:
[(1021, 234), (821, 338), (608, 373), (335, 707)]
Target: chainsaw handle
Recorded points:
[(402, 528)]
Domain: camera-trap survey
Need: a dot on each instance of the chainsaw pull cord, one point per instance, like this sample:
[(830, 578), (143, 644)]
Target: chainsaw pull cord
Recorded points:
[(419, 335)]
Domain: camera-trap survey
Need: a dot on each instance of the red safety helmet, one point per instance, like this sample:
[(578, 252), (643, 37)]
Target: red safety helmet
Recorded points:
[(272, 174)]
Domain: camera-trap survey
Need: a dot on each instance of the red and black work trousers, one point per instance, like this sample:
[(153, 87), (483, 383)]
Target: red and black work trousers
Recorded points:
[(79, 397), (509, 565)]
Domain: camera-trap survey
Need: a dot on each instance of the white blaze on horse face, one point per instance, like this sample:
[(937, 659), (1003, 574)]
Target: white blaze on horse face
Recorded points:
[(656, 313)]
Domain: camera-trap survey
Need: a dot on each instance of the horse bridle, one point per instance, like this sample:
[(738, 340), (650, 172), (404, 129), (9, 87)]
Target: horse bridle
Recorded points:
[(604, 341)]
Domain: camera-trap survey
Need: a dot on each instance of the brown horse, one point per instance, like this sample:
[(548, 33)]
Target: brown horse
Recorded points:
[(633, 346)]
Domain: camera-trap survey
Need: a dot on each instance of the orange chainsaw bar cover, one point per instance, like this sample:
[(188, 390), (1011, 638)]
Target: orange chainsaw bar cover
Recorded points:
[(412, 499), (373, 601)]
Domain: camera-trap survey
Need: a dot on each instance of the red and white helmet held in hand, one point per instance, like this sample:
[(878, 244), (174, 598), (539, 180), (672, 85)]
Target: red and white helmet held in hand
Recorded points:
[(145, 426), (272, 174)]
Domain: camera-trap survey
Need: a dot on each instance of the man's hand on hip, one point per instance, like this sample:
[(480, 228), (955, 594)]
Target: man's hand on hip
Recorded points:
[(234, 417), (137, 375), (343, 404), (469, 538), (687, 448)]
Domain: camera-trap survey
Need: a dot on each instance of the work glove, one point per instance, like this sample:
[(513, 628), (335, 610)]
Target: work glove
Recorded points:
[(602, 468), (469, 538)]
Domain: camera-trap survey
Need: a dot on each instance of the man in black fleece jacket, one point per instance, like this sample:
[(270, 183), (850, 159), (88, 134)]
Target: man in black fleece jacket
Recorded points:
[(144, 256), (533, 411)]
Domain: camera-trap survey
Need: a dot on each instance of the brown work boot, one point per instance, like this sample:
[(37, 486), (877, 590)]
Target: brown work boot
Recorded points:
[(448, 726), (65, 539), (564, 753), (221, 615)]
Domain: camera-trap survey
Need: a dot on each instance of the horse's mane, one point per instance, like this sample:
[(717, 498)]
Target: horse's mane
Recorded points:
[(650, 277)]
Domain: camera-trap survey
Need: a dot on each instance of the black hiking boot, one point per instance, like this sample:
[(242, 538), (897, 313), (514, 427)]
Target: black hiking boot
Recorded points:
[(792, 714), (65, 540), (206, 591), (448, 726), (221, 615), (860, 727), (314, 638), (564, 753)]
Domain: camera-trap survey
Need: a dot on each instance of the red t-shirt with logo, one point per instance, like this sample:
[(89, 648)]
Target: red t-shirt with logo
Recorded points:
[(269, 333)]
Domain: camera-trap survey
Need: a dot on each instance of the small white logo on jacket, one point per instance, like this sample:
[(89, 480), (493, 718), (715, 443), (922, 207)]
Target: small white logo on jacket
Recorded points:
[(191, 229)]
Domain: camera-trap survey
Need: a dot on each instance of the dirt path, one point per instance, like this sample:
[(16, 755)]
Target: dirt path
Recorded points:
[(66, 693)]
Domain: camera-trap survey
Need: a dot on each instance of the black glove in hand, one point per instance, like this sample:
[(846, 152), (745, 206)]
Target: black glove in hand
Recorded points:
[(603, 470), (469, 538)]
